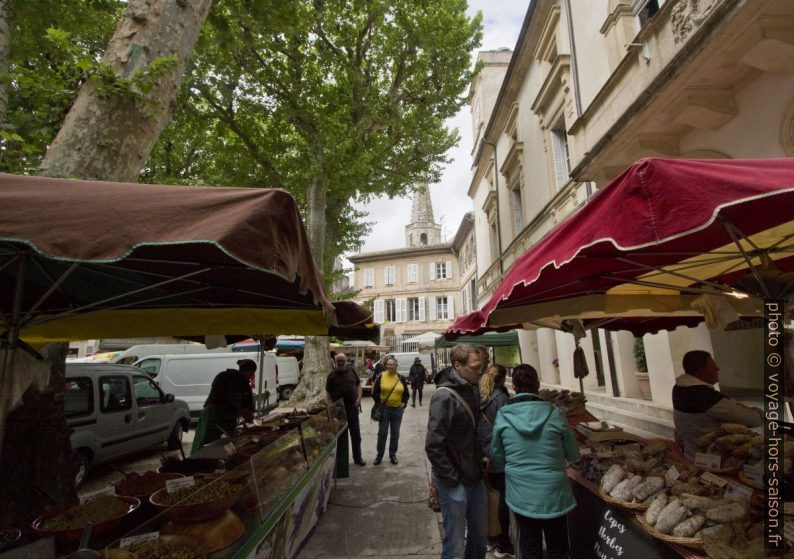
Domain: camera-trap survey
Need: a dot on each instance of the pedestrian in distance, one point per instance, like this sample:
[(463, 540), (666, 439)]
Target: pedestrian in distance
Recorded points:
[(455, 456), (494, 395), (390, 390), (343, 382), (418, 376), (380, 366), (533, 439)]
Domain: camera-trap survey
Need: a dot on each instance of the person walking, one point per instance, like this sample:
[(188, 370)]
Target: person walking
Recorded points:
[(343, 382), (230, 397), (454, 453), (533, 439), (494, 395), (390, 390), (418, 376)]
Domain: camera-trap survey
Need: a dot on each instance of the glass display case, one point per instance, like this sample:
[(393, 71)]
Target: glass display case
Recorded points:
[(265, 504)]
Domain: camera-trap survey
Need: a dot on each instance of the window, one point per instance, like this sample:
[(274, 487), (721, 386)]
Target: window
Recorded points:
[(114, 394), (494, 242), (150, 366), (146, 392), (388, 275), (441, 270), (369, 277), (378, 311), (518, 212), (78, 397), (646, 9), (391, 310), (444, 308), (413, 273), (416, 309), (559, 149), (423, 239), (473, 287)]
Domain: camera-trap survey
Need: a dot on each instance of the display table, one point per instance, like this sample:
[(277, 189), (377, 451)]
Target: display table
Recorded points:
[(284, 489)]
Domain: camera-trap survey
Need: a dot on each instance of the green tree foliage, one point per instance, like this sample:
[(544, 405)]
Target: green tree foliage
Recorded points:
[(349, 96), (55, 47)]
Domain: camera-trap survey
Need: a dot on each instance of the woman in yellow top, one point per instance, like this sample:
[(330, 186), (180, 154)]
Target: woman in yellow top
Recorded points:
[(391, 390)]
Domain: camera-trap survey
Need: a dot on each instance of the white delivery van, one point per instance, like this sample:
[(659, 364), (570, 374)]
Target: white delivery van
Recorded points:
[(189, 376), (288, 376), (406, 359), (138, 352)]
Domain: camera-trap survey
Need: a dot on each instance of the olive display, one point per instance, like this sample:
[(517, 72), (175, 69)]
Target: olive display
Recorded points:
[(205, 494), (163, 549), (97, 510)]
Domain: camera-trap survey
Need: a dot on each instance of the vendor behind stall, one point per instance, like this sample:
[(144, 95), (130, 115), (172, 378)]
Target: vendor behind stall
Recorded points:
[(230, 397), (699, 408)]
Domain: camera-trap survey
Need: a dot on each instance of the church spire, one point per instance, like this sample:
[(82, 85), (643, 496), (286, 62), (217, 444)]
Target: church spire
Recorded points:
[(423, 230)]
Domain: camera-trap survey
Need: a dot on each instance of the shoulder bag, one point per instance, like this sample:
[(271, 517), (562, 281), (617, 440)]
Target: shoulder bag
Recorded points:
[(377, 409)]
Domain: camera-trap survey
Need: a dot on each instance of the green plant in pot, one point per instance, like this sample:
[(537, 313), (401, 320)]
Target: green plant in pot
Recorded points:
[(639, 355)]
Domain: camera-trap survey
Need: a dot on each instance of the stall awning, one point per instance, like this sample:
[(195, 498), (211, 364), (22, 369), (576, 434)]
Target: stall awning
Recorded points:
[(491, 339)]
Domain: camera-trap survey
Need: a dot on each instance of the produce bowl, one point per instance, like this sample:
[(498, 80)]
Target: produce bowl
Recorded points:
[(213, 534), (695, 543), (9, 538), (143, 486), (193, 507), (191, 466), (72, 533), (161, 547)]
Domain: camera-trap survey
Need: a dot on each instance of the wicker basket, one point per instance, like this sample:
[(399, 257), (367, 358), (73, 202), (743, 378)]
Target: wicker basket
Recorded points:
[(695, 543), (622, 504)]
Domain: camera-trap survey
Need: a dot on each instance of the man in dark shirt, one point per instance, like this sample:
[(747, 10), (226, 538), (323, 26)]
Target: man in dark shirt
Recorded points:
[(343, 382)]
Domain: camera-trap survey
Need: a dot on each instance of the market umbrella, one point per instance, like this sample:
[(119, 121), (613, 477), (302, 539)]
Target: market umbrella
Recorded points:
[(668, 242), (85, 259)]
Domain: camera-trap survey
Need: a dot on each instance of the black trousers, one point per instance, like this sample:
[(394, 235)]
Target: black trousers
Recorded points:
[(530, 533), (414, 389), (354, 429), (497, 481)]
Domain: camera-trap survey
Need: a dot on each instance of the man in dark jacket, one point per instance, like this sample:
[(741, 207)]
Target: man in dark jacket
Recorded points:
[(417, 375), (454, 453)]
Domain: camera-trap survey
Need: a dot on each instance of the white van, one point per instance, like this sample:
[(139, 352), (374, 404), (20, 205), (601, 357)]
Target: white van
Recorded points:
[(406, 359), (189, 376), (137, 352)]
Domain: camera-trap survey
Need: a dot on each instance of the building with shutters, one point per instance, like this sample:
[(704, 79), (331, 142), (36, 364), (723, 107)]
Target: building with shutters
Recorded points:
[(424, 285), (589, 88)]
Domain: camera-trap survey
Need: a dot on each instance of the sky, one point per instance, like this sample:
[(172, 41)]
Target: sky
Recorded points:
[(501, 24)]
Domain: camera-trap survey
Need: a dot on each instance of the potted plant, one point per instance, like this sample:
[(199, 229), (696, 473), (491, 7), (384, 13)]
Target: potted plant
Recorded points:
[(642, 369)]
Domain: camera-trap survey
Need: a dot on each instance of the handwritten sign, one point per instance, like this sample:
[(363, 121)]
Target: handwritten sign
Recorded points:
[(711, 479), (711, 461), (107, 490), (585, 450), (609, 536), (174, 485), (738, 492), (140, 538), (671, 474), (754, 474)]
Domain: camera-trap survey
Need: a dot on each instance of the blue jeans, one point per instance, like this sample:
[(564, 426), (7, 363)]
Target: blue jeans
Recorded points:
[(462, 507), (390, 420)]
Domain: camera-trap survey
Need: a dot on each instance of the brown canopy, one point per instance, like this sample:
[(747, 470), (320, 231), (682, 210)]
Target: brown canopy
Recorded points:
[(84, 259)]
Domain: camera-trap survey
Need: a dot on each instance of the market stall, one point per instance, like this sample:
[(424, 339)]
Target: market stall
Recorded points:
[(192, 262), (668, 243)]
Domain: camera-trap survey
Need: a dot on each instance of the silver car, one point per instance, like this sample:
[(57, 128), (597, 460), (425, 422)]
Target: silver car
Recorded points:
[(117, 409)]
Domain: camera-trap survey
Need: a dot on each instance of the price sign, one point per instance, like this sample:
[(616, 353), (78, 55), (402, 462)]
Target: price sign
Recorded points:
[(711, 461), (711, 479), (754, 474), (140, 538), (584, 450), (107, 490), (738, 492), (174, 485), (671, 474)]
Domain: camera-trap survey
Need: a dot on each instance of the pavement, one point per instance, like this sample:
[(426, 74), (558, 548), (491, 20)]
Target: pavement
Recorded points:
[(381, 511)]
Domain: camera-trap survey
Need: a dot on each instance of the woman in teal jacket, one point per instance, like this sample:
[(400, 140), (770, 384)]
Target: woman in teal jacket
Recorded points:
[(533, 439)]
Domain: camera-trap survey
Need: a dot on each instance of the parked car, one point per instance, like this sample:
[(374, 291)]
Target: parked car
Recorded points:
[(117, 409)]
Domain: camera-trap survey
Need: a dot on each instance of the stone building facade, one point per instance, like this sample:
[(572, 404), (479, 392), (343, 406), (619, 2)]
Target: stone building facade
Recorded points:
[(424, 285), (590, 88)]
